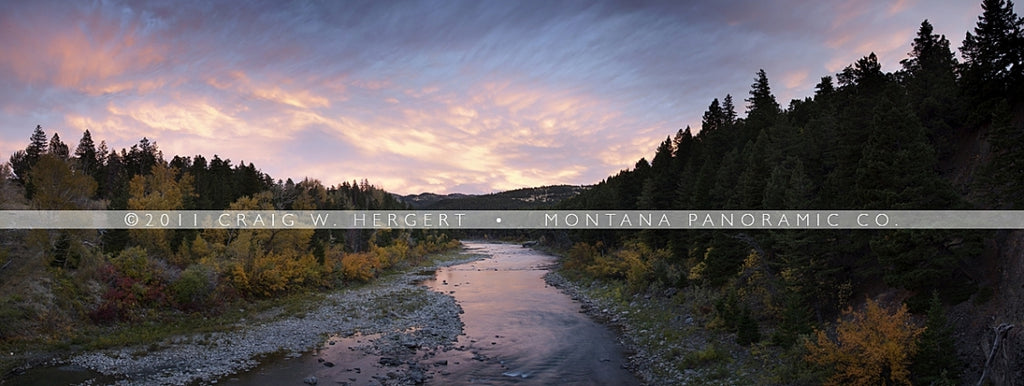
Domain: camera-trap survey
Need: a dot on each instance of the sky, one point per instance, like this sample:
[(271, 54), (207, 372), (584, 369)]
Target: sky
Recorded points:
[(425, 96)]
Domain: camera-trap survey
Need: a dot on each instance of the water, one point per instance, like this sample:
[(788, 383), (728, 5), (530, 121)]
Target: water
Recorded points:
[(518, 330), (528, 331)]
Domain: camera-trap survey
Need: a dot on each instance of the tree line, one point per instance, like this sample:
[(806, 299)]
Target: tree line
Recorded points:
[(118, 275), (866, 140)]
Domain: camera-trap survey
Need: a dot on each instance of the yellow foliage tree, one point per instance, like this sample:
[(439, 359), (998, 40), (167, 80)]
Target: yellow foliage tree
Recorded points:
[(160, 190), (56, 185), (265, 261), (359, 266), (873, 347)]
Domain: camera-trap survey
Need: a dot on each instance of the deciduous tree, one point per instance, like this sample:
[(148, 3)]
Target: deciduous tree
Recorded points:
[(871, 347)]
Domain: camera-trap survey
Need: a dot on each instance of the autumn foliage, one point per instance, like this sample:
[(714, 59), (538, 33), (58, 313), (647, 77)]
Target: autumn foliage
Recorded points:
[(871, 347)]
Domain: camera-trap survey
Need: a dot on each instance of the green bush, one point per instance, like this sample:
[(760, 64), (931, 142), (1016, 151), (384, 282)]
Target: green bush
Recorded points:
[(194, 288), (700, 358)]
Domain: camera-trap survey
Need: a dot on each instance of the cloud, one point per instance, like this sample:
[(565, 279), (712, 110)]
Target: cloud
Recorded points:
[(238, 82), (79, 47), (424, 96)]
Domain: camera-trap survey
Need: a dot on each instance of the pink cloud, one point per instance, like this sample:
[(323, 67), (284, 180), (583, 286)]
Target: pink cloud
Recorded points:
[(85, 51)]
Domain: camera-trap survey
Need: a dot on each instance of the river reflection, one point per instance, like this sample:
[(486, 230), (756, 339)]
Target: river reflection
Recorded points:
[(517, 330), (522, 330)]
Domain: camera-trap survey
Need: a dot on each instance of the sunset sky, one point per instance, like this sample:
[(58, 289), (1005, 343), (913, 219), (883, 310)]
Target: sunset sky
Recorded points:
[(415, 96)]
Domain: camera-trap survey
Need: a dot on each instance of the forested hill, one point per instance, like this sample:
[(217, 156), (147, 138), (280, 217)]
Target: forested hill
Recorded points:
[(936, 133), (77, 279), (867, 139), (525, 198)]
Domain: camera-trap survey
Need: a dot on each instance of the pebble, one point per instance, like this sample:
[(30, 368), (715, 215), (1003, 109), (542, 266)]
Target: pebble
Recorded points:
[(438, 319)]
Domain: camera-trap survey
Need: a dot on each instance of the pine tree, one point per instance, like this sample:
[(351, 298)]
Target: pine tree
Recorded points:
[(993, 53), (747, 330), (994, 84), (762, 108), (683, 144), (930, 74), (37, 146), (658, 188), (22, 161), (824, 87), (714, 118), (936, 362), (86, 155), (729, 110), (866, 73), (58, 148)]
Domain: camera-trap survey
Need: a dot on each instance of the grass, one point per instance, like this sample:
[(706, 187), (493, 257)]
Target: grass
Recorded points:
[(672, 330), (711, 354), (163, 325)]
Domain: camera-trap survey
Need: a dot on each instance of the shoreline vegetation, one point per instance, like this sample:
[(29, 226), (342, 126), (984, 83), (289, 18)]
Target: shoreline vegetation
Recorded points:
[(192, 348)]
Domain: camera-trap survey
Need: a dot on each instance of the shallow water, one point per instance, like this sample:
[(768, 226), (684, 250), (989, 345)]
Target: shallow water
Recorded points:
[(518, 330), (528, 331)]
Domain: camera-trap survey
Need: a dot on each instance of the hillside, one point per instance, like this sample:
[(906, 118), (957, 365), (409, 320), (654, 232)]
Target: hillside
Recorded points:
[(525, 198), (935, 134)]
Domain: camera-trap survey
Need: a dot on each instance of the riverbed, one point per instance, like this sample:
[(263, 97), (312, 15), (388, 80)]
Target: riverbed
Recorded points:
[(516, 330), (485, 318)]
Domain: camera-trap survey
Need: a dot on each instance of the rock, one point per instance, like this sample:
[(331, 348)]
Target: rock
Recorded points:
[(310, 380), (443, 362), (329, 364), (416, 376), (389, 361)]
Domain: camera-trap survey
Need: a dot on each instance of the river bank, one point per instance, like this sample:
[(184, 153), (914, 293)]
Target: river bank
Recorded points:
[(516, 330), (666, 335), (395, 307)]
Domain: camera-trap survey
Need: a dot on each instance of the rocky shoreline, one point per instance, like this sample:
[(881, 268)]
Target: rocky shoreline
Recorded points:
[(403, 313), (653, 360), (607, 314)]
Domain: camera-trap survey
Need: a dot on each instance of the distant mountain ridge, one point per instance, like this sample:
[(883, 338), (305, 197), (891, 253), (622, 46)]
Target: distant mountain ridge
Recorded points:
[(525, 198)]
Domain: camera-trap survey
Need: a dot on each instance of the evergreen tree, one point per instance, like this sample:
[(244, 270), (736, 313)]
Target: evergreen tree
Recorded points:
[(930, 74), (683, 145), (729, 110), (714, 118), (993, 53), (723, 193), (936, 362), (824, 87), (142, 157), (747, 329), (658, 188), (20, 165), (756, 170), (37, 144), (86, 155), (898, 167), (58, 148), (866, 73), (762, 108), (115, 181), (23, 161)]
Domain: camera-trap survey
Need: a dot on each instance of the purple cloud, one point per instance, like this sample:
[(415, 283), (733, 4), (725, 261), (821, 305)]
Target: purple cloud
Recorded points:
[(420, 95)]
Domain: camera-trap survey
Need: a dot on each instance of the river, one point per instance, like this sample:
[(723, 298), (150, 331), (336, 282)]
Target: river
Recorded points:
[(517, 330)]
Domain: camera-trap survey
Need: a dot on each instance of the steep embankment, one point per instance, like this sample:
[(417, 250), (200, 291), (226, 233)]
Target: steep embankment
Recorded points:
[(1000, 302)]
